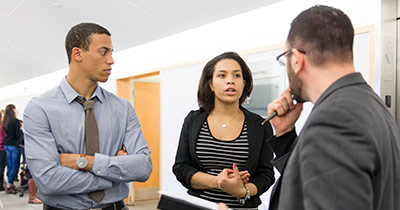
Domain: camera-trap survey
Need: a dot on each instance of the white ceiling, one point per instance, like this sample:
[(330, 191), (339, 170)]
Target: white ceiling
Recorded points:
[(32, 32)]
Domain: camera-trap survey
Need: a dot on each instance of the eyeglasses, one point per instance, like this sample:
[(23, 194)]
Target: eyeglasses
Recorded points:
[(282, 58)]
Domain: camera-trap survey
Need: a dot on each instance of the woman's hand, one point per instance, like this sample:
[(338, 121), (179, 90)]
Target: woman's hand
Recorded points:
[(244, 175), (222, 206), (232, 183)]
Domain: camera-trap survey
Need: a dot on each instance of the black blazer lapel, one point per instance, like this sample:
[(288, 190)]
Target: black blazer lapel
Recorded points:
[(193, 134), (280, 164), (255, 134)]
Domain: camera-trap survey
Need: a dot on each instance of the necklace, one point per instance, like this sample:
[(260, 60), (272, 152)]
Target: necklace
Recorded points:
[(224, 125)]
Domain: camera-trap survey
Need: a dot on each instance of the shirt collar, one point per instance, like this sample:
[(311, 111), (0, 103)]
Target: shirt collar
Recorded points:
[(71, 94)]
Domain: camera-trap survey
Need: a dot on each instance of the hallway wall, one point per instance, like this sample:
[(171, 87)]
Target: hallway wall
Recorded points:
[(262, 27)]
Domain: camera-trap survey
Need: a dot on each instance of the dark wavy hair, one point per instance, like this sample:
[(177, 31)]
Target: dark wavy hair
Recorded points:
[(8, 115), (205, 96), (79, 36), (325, 33)]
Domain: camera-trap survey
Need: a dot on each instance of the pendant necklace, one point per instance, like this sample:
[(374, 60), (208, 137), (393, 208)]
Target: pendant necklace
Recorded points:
[(224, 125)]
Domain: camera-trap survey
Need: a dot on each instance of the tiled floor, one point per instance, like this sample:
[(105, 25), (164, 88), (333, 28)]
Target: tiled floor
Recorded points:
[(14, 202)]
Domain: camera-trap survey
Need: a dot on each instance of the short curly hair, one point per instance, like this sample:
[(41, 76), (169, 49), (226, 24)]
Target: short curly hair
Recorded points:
[(325, 33)]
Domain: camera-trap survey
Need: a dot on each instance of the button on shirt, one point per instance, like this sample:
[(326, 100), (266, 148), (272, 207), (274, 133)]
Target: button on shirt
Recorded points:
[(54, 123)]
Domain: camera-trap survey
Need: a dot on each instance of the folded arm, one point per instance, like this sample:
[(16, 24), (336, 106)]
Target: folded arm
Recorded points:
[(136, 165), (44, 162)]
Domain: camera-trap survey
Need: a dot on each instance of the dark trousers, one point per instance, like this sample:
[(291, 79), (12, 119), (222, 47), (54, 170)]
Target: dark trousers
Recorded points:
[(3, 163), (120, 205)]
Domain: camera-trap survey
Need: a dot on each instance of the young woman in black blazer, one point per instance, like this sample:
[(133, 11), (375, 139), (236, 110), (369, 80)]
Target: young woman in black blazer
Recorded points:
[(222, 154)]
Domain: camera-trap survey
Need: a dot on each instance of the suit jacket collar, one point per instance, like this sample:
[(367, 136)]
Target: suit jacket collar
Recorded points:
[(254, 131), (348, 80)]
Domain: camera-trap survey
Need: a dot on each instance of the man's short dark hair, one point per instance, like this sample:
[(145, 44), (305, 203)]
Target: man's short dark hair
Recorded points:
[(79, 36), (326, 34), (205, 96)]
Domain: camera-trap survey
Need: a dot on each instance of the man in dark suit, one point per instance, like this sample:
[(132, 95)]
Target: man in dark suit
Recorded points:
[(347, 155)]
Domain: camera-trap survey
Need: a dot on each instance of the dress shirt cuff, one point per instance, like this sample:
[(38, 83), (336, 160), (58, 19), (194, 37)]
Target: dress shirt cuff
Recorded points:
[(282, 144), (100, 164), (98, 170)]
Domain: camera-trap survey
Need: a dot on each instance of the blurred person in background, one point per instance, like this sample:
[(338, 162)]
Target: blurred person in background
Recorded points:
[(3, 156), (12, 127)]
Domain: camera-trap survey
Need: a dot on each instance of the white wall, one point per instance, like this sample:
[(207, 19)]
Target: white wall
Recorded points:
[(262, 27), (21, 93)]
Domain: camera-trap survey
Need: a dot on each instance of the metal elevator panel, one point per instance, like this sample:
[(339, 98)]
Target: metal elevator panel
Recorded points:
[(388, 60), (397, 104), (397, 98)]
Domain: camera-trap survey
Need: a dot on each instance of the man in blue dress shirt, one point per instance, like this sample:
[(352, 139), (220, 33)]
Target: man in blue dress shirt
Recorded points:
[(54, 126)]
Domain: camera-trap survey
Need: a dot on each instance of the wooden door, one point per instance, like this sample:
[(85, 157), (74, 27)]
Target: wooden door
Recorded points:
[(147, 106)]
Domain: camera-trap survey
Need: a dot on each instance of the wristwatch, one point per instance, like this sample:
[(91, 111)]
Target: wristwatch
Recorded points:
[(246, 197), (82, 162)]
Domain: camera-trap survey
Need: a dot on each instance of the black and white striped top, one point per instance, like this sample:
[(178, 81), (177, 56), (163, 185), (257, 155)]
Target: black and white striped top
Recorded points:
[(216, 155)]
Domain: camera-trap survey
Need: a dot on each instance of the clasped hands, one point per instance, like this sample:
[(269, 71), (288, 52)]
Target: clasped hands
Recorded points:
[(69, 160), (232, 181)]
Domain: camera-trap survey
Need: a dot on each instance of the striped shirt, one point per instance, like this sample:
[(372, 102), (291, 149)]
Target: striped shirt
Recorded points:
[(216, 155)]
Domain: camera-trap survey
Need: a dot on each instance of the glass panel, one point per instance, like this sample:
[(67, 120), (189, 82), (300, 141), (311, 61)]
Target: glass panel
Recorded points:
[(265, 90)]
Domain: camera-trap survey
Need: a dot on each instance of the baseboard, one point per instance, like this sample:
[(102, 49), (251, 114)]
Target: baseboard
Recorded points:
[(148, 193)]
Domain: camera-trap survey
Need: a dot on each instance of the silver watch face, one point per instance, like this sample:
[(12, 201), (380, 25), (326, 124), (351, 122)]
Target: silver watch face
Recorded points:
[(81, 162)]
